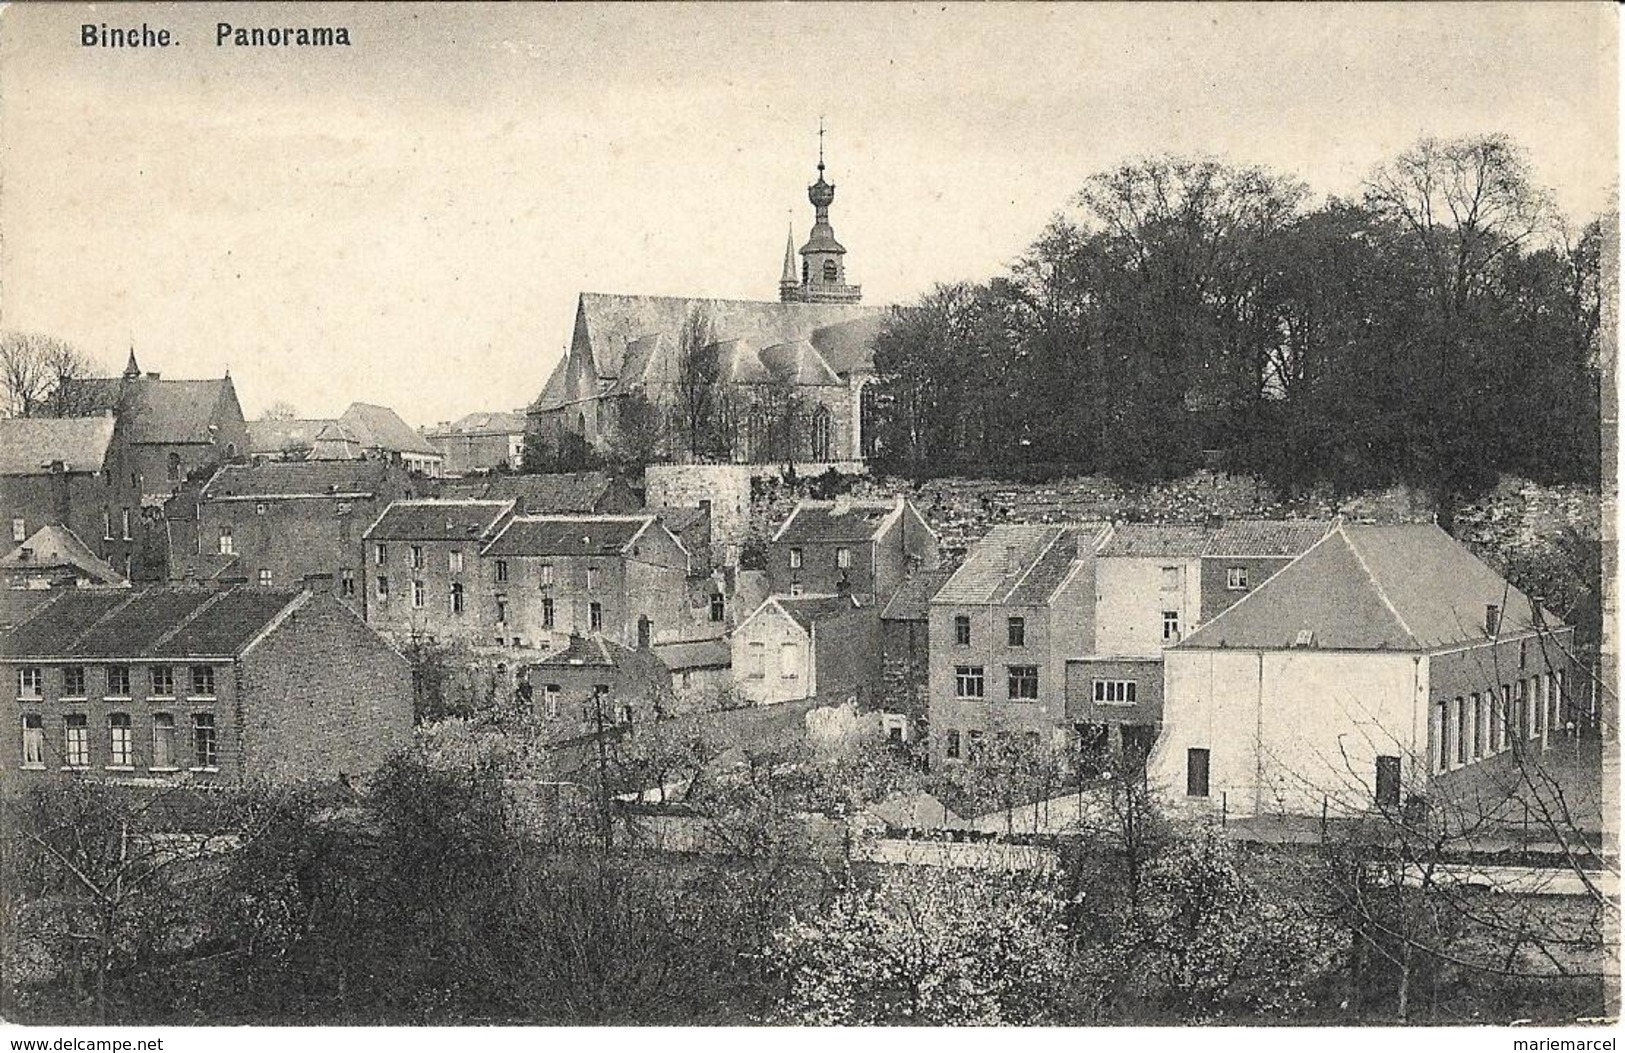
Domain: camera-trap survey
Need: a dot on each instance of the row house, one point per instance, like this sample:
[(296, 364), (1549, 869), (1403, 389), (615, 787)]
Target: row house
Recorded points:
[(423, 575), (213, 686), (850, 547), (799, 647), (1001, 629), (1384, 664), (282, 523), (625, 578)]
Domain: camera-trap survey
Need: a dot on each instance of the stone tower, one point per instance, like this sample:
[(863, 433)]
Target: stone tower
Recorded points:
[(823, 263)]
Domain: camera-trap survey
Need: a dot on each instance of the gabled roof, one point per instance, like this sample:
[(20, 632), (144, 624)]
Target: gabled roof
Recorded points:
[(1020, 564), (539, 494), (168, 412), (381, 428), (279, 436), (1157, 539), (336, 441), (1400, 587), (591, 535), (815, 521), (807, 611), (432, 519), (55, 547), (586, 650), (694, 654), (28, 445), (497, 422), (297, 479), (912, 601), (1266, 537), (160, 621)]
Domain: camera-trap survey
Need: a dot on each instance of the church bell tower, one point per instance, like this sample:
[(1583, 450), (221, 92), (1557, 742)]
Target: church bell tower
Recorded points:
[(823, 264)]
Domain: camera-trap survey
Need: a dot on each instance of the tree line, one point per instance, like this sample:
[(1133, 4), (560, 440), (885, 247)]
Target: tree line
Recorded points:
[(1438, 330)]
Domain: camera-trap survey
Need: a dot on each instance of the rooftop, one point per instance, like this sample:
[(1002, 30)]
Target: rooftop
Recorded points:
[(55, 547), (297, 479), (160, 621), (815, 521), (157, 410), (1158, 539), (431, 519), (568, 535), (1266, 537), (29, 445), (1020, 564)]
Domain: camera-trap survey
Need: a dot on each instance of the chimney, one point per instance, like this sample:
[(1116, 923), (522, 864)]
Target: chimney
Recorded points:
[(1214, 521), (153, 376)]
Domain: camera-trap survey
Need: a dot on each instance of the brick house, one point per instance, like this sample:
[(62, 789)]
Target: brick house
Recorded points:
[(1386, 662), (68, 472), (218, 686), (481, 442), (905, 649), (280, 524), (424, 578), (859, 548), (1001, 629), (623, 577), (798, 647), (592, 682)]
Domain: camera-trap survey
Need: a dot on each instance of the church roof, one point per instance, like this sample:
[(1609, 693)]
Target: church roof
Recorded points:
[(798, 362), (153, 410)]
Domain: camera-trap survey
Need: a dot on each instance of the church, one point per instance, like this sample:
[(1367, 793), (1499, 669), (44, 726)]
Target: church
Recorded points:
[(789, 375)]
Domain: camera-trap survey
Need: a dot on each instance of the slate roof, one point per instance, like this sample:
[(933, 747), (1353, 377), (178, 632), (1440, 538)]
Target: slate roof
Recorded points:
[(55, 547), (552, 492), (167, 412), (1266, 537), (336, 441), (798, 362), (28, 445), (596, 652), (1400, 587), (815, 521), (432, 519), (160, 621), (1157, 539), (487, 423), (381, 428), (280, 436), (807, 611), (296, 479), (695, 654), (567, 535), (1020, 564), (912, 601)]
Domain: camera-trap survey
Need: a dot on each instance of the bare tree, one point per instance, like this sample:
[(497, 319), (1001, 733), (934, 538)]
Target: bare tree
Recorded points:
[(281, 409), (37, 373), (699, 386)]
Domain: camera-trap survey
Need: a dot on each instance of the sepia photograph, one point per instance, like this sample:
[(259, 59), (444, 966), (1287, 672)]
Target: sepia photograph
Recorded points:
[(706, 515)]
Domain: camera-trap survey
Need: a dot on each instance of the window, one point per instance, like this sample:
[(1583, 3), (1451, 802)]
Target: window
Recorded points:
[(125, 523), (203, 681), (418, 592), (380, 554), (1115, 692), (118, 681), (1481, 727), (595, 616), (1170, 579), (1441, 727), (962, 630), (502, 611), (163, 741), (76, 741), (1024, 682), (789, 661), (203, 741), (120, 741), (822, 432), (265, 578), (73, 681), (417, 557), (719, 607), (1196, 770), (1235, 579), (1506, 721), (550, 698), (831, 271), (502, 570), (973, 745), (547, 612), (756, 661), (1526, 702), (454, 560), (623, 714), (1388, 782), (843, 557), (347, 583), (457, 597), (30, 682), (646, 632), (1492, 619), (163, 681), (968, 681), (174, 467), (951, 747), (795, 588), (547, 573), (227, 548), (383, 588), (1016, 629), (1170, 626), (33, 740), (795, 559), (1464, 735), (259, 509), (19, 529)]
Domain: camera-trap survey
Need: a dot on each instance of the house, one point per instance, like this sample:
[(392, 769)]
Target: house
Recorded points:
[(423, 574), (481, 442), (54, 557), (592, 684), (365, 431), (283, 523), (850, 547), (1156, 583), (1001, 629), (905, 648), (799, 647), (66, 471), (209, 686), (576, 493), (1385, 663), (701, 672), (623, 577)]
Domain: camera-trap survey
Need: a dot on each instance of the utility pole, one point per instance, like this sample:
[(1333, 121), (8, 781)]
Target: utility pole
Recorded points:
[(603, 769)]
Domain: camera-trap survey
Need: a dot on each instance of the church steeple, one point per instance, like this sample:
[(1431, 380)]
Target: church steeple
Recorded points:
[(823, 264), (789, 281), (130, 368)]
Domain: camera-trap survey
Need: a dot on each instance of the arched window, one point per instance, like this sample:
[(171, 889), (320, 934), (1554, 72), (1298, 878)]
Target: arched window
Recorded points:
[(832, 271), (821, 432)]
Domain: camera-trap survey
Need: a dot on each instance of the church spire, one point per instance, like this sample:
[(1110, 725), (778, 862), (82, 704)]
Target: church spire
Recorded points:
[(823, 265), (131, 369), (789, 280)]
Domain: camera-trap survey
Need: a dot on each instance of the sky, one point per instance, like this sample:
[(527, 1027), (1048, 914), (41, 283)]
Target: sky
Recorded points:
[(408, 221)]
